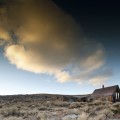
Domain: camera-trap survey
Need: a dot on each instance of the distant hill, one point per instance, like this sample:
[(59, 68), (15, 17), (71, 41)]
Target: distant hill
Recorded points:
[(44, 97)]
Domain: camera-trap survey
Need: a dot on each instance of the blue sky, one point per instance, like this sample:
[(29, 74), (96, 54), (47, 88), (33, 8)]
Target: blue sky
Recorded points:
[(16, 81)]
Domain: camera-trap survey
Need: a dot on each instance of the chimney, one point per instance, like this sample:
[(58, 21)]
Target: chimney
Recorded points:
[(102, 86)]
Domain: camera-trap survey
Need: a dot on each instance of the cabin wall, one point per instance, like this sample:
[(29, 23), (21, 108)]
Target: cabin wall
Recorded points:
[(110, 98), (107, 98)]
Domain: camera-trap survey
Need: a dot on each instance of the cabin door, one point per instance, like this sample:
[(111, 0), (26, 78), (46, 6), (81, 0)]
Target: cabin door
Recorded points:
[(113, 99)]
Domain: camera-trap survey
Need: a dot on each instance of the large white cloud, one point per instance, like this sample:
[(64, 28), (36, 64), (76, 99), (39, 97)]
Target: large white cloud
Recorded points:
[(47, 40)]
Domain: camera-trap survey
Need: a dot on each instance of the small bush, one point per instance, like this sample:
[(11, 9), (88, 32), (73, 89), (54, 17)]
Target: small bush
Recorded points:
[(41, 116), (42, 108), (11, 111), (75, 105), (13, 118)]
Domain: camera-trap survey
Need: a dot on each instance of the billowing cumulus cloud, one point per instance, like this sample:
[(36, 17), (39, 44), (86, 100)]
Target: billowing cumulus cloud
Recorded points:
[(45, 39)]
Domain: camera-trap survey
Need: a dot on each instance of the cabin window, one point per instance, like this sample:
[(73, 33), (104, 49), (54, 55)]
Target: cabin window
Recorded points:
[(116, 96)]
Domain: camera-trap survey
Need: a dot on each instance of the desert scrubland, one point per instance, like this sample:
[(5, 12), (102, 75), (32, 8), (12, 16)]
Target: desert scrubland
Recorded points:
[(42, 108)]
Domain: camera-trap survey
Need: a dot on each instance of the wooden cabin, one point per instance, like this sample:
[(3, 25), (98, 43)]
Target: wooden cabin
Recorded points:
[(111, 93)]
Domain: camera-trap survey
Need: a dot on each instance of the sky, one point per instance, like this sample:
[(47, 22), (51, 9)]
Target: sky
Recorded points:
[(58, 46)]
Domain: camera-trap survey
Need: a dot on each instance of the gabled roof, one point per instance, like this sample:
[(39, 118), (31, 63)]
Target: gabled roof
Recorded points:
[(106, 91)]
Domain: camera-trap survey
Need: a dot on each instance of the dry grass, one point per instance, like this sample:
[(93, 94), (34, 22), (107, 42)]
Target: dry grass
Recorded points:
[(46, 110)]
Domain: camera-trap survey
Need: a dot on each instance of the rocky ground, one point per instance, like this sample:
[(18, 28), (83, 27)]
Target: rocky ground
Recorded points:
[(34, 108)]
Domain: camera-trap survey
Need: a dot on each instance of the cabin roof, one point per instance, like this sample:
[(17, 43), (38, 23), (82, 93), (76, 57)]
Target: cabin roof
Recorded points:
[(106, 91)]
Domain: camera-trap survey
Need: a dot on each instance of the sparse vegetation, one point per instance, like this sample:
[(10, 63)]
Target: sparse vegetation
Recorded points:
[(18, 108)]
